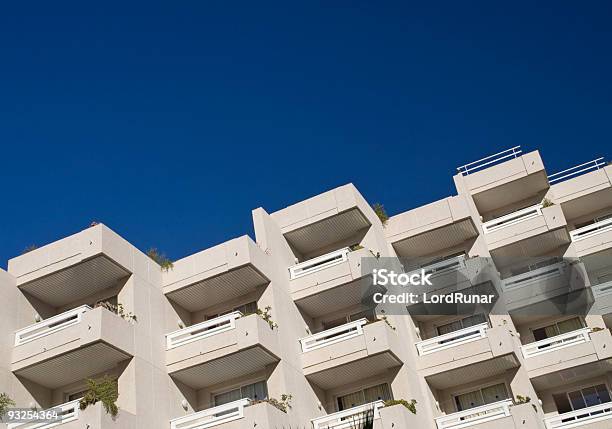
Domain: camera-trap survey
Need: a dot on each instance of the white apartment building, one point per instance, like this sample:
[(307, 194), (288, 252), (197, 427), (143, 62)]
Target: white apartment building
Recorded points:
[(224, 334)]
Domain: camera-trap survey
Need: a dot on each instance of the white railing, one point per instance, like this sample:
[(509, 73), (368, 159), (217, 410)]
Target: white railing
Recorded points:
[(580, 417), (592, 229), (205, 329), (446, 265), (557, 342), (66, 413), (512, 218), (452, 339), (319, 263), (50, 325), (475, 416), (531, 277), (348, 419), (212, 416), (595, 164), (333, 335), (489, 160), (602, 289)]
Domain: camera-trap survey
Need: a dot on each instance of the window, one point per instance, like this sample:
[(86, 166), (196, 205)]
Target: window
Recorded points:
[(365, 314), (255, 391), (557, 328), (365, 396), (534, 266), (466, 322), (76, 395), (483, 396), (582, 398), (248, 308)]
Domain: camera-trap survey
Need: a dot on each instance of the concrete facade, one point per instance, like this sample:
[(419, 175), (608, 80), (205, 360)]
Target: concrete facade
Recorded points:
[(226, 333)]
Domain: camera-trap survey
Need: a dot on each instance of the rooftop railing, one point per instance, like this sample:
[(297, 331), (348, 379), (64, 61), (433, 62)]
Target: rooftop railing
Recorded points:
[(512, 218), (65, 413), (475, 416), (581, 417), (497, 158), (205, 329), (348, 419), (319, 263), (557, 342), (452, 339), (577, 170), (212, 416), (534, 276), (333, 335), (50, 325), (591, 230)]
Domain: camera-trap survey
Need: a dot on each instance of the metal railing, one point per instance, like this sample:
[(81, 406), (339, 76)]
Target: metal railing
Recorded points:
[(348, 419), (212, 416), (50, 325), (593, 165), (201, 330), (319, 263), (579, 336), (591, 230), (534, 276), (512, 218), (475, 416), (602, 289), (333, 335), (466, 169), (577, 418), (65, 413), (452, 339)]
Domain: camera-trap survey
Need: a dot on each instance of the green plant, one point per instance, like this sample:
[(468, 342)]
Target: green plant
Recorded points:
[(118, 309), (105, 390), (522, 399), (283, 404), (265, 315), (5, 403), (380, 211), (355, 247), (384, 318), (29, 248), (162, 260), (411, 405), (547, 203), (597, 329)]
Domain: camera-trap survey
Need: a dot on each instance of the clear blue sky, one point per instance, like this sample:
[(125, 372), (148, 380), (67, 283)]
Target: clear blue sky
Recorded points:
[(171, 121)]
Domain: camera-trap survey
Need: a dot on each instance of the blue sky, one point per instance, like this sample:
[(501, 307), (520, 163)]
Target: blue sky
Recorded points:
[(171, 121)]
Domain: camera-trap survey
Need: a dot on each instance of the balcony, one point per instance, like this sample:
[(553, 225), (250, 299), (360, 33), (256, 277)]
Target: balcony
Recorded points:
[(46, 352), (586, 418), (502, 179), (71, 417), (349, 353), (330, 282), (497, 415), (602, 293), (532, 231), (220, 349), (427, 230), (396, 416), (581, 347), (443, 359), (592, 238), (234, 415), (77, 266), (221, 273)]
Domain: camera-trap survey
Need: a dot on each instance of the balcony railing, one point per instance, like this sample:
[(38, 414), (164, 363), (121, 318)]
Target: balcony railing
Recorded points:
[(475, 416), (319, 263), (452, 339), (348, 419), (512, 218), (591, 230), (212, 416), (50, 325), (489, 160), (531, 277), (595, 164), (447, 265), (602, 289), (557, 342), (333, 335), (580, 417), (205, 329), (65, 413)]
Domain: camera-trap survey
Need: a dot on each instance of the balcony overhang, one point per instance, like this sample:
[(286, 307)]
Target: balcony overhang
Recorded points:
[(572, 374), (99, 342), (547, 242), (223, 272)]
